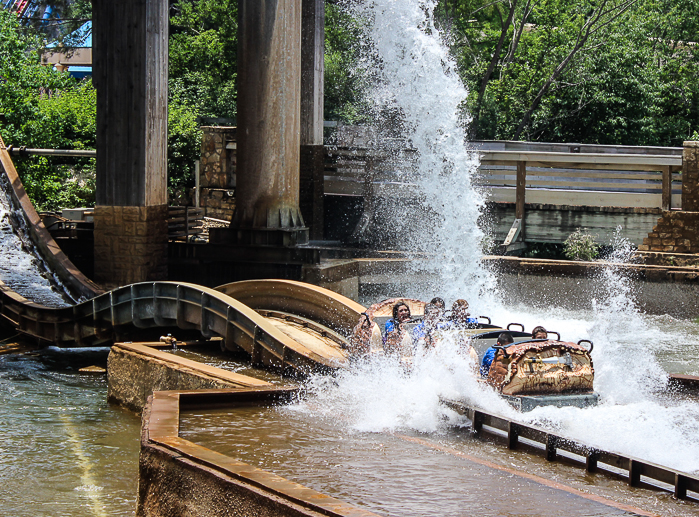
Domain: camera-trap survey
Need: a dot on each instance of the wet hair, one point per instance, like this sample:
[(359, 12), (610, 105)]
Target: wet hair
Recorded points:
[(537, 330), (397, 306), (438, 302), (505, 338), (459, 304)]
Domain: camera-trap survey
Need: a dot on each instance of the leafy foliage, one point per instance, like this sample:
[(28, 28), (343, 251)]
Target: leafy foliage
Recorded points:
[(581, 246), (45, 108), (203, 56), (594, 71)]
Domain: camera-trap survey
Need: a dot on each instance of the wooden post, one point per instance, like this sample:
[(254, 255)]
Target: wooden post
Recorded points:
[(667, 188), (520, 191), (591, 461), (130, 76), (634, 472), (312, 106), (551, 443), (680, 486), (512, 435)]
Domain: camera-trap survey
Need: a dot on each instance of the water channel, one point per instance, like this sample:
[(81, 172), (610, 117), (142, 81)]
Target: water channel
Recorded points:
[(375, 435)]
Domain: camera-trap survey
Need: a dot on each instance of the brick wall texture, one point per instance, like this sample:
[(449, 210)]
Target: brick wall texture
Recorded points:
[(676, 232), (130, 244), (690, 177)]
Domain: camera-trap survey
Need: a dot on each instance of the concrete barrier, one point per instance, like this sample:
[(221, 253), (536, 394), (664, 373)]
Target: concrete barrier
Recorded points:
[(178, 477), (136, 370)]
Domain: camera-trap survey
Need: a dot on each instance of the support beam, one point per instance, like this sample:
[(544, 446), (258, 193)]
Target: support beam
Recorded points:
[(130, 75), (312, 71), (269, 108), (666, 200), (312, 106)]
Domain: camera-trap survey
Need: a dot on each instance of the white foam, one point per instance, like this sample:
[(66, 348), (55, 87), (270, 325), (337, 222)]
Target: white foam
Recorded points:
[(416, 82)]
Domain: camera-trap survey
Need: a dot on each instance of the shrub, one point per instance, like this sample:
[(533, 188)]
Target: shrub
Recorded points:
[(581, 246)]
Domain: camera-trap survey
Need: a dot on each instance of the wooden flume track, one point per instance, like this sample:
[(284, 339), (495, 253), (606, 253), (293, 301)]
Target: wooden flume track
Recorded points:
[(279, 339)]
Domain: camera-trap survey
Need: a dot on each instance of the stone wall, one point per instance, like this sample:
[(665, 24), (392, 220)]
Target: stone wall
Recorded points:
[(690, 177), (676, 232), (130, 244), (218, 166)]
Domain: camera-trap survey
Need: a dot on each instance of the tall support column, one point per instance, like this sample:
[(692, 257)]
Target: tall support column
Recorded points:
[(312, 107), (130, 75), (269, 109)]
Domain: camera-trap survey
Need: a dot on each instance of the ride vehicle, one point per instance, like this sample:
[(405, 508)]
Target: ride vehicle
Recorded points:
[(527, 373)]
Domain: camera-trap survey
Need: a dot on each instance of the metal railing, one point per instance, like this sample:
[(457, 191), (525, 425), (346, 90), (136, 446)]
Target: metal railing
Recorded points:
[(594, 459)]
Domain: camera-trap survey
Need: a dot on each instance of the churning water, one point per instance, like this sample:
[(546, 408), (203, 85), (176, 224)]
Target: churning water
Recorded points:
[(21, 268), (417, 84)]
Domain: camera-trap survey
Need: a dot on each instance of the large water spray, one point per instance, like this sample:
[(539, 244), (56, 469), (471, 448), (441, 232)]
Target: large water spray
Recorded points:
[(416, 83), (417, 94)]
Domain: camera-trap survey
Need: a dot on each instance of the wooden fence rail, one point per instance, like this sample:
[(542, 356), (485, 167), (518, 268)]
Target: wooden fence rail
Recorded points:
[(184, 221)]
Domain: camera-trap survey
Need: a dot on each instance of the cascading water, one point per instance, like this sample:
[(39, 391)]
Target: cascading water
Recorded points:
[(417, 91), (21, 268), (417, 83)]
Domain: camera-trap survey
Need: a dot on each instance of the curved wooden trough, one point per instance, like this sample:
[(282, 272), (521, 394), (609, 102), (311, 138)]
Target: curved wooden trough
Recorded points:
[(306, 300), (278, 340)]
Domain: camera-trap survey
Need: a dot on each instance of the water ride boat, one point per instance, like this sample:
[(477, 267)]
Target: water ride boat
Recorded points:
[(528, 372)]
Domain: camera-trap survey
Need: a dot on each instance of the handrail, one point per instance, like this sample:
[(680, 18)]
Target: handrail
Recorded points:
[(118, 314), (483, 421), (24, 151)]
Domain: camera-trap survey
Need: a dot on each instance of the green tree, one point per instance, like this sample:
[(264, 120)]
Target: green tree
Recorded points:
[(45, 108), (203, 56)]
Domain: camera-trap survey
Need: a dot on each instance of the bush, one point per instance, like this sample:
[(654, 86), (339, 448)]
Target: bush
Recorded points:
[(581, 246)]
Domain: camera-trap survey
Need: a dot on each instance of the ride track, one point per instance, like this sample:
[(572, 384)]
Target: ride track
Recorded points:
[(280, 323)]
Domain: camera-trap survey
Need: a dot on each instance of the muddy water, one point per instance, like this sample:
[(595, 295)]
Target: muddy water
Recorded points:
[(408, 473), (63, 450)]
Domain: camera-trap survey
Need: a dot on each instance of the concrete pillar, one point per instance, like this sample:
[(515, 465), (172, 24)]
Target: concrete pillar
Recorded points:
[(130, 75), (269, 109), (690, 177), (312, 72), (312, 107)]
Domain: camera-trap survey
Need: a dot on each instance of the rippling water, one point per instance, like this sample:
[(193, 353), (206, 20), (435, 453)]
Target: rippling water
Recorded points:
[(64, 452)]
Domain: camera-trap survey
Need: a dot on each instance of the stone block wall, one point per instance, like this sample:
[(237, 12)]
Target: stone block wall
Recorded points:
[(690, 177), (218, 171), (676, 232), (130, 244)]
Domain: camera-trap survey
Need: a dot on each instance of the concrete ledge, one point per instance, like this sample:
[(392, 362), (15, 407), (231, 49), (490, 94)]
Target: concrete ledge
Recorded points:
[(178, 477), (135, 371)]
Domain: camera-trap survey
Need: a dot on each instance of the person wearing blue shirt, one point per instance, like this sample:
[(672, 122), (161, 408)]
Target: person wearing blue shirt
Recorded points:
[(422, 333), (504, 339)]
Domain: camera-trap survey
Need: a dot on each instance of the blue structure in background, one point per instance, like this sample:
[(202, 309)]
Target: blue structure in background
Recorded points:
[(29, 9)]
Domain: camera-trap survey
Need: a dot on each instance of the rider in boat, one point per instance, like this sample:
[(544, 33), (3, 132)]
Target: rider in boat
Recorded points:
[(394, 330), (504, 339), (540, 333)]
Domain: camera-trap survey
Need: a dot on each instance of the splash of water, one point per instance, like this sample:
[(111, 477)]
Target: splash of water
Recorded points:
[(417, 91), (21, 268), (417, 85)]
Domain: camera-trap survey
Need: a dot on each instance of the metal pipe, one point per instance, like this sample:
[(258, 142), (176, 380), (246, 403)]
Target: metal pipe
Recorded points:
[(23, 151)]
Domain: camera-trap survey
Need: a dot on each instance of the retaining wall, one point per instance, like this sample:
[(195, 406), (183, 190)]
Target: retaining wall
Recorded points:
[(135, 371), (181, 478)]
